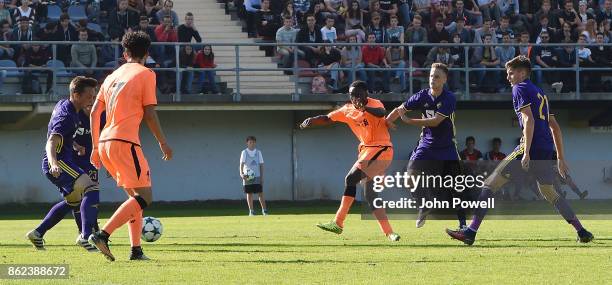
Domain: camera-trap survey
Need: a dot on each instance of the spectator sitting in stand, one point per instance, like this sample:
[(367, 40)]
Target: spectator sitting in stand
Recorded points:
[(206, 59), (167, 11), (309, 33), (188, 31), (121, 19), (286, 34), (84, 56)]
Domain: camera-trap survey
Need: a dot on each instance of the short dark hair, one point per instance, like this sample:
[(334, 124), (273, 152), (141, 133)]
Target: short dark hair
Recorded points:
[(189, 14), (83, 23), (251, 138), (79, 83), (64, 16), (599, 33), (470, 138), (496, 140), (287, 17), (82, 30), (440, 66), (358, 89), (4, 22), (519, 62), (504, 18), (136, 44)]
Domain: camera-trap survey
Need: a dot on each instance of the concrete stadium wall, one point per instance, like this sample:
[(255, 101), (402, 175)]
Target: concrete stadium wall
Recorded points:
[(207, 147)]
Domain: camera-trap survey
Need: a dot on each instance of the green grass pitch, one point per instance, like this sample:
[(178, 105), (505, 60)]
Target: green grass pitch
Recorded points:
[(215, 244)]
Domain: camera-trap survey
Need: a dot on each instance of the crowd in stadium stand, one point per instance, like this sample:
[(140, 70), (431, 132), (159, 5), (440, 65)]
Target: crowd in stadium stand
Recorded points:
[(101, 20), (333, 21), (439, 21)]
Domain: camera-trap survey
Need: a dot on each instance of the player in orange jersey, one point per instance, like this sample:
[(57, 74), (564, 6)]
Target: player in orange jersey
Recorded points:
[(128, 96), (366, 118)]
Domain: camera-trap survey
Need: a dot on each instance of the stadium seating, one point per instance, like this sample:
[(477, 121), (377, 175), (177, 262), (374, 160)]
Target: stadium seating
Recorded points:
[(9, 63), (77, 13), (53, 13), (61, 68)]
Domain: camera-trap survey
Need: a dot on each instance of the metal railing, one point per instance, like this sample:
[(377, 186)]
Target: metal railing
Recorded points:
[(238, 69)]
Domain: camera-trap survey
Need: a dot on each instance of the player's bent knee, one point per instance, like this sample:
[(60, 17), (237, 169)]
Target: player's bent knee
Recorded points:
[(353, 178), (549, 193), (73, 199), (84, 184), (495, 181), (142, 202), (350, 191)]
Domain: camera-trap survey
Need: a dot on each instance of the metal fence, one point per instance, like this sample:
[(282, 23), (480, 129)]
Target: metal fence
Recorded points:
[(466, 69)]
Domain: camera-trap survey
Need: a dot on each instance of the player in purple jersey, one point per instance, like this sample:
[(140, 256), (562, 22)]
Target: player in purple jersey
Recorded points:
[(59, 166), (541, 137), (436, 153)]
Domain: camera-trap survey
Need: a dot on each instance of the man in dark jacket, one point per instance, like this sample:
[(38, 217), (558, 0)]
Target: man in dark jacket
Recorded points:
[(310, 34)]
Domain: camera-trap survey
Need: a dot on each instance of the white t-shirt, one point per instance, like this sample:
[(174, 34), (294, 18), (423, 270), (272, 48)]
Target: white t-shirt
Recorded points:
[(329, 34), (251, 153)]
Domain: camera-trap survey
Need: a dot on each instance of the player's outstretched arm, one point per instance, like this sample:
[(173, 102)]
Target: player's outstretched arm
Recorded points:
[(555, 128), (398, 112), (395, 114), (318, 121), (150, 116), (94, 121), (51, 146), (429, 122)]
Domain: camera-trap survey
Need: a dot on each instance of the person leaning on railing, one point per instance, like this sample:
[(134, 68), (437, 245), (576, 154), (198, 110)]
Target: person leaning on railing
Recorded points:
[(36, 56), (206, 59)]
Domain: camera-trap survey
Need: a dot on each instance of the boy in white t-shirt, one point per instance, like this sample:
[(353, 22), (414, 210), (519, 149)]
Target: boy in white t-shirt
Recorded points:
[(251, 172), (328, 32)]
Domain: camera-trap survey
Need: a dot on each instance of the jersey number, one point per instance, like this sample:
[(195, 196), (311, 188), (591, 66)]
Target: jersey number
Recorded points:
[(117, 88), (543, 100)]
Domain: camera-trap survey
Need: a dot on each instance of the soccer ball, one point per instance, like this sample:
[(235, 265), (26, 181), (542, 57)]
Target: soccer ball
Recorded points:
[(151, 229), (249, 174)]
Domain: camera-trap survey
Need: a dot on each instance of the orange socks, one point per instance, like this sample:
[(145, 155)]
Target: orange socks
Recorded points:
[(135, 229), (383, 221), (127, 211), (345, 206)]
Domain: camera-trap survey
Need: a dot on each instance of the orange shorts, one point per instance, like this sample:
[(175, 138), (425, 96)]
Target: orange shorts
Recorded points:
[(374, 160), (126, 163)]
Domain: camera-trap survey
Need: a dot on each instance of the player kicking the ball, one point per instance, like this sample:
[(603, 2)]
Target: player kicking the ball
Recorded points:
[(127, 95), (62, 167), (366, 118), (541, 136)]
